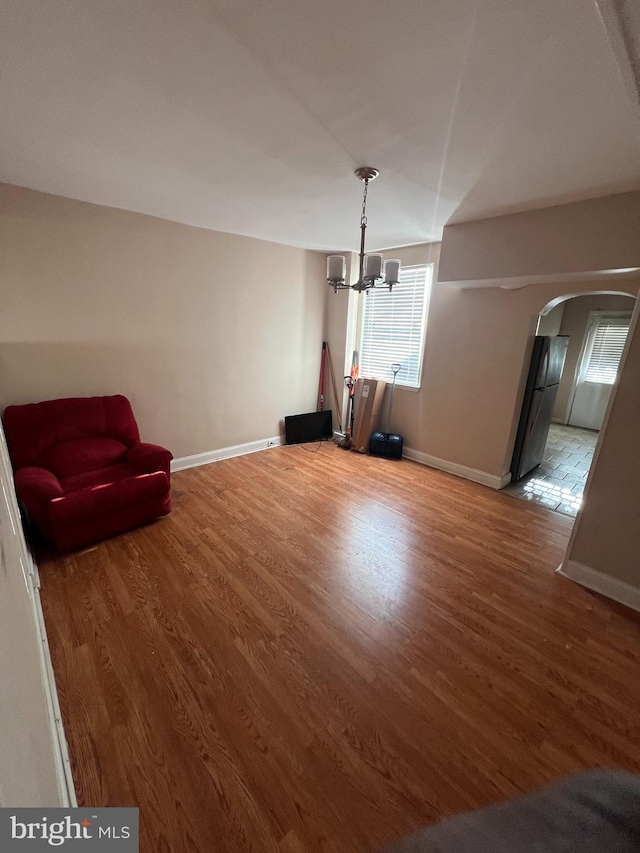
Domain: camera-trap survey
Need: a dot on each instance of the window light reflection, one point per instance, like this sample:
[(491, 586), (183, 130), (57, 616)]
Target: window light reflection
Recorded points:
[(545, 488)]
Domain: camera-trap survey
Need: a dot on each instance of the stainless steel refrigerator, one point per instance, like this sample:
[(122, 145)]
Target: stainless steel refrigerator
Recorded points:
[(547, 362)]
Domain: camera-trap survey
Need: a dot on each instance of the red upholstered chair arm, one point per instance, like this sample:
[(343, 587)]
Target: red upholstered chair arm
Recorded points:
[(37, 484), (148, 458)]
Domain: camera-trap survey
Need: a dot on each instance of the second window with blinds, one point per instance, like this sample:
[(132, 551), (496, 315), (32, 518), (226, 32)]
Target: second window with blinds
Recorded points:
[(393, 328), (604, 347)]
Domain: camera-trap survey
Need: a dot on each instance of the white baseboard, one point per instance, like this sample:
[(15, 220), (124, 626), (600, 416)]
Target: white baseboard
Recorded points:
[(620, 591), (208, 456), (491, 480)]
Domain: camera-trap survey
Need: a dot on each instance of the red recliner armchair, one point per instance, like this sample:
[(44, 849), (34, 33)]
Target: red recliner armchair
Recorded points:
[(81, 470)]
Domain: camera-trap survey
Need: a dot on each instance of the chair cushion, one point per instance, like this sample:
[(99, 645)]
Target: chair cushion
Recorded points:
[(105, 497), (80, 455), (103, 476)]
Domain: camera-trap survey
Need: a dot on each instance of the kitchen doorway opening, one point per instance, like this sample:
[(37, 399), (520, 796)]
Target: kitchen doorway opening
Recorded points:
[(575, 361)]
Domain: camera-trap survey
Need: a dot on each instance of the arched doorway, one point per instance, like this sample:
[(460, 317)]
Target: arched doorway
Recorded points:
[(580, 337)]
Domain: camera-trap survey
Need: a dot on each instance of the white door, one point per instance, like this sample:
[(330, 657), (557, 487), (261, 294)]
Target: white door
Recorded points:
[(601, 354)]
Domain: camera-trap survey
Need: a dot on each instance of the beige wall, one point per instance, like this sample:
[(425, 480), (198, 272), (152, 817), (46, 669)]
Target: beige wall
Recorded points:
[(212, 336), (477, 351), (565, 240), (575, 322), (606, 537), (550, 323)]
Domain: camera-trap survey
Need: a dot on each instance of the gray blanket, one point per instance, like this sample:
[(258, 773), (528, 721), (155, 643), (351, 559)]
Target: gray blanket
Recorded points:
[(596, 812)]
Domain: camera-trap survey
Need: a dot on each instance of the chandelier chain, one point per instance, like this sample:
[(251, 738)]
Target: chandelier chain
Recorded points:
[(363, 218)]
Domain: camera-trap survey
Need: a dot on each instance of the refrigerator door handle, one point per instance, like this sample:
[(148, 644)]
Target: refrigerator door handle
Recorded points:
[(546, 366), (534, 420)]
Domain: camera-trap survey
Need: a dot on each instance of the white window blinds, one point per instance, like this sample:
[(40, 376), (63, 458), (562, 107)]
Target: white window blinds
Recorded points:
[(393, 328), (608, 342)]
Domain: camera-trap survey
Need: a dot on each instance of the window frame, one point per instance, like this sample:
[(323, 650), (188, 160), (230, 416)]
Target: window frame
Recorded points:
[(598, 318), (428, 284)]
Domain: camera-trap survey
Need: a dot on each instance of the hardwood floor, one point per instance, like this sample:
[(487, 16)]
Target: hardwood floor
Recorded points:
[(321, 652)]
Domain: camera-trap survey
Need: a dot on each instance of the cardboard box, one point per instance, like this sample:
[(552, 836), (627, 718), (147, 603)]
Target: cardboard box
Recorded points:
[(368, 403)]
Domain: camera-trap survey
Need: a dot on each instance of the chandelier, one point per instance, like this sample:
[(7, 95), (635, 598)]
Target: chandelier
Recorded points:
[(374, 271)]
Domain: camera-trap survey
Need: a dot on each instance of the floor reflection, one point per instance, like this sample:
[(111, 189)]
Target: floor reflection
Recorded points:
[(558, 482), (555, 493), (372, 573)]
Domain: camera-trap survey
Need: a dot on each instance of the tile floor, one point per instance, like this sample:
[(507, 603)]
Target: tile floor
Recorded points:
[(558, 482)]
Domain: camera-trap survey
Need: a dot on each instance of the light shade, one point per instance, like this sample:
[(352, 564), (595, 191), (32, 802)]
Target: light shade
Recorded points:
[(391, 272), (336, 267), (372, 267)]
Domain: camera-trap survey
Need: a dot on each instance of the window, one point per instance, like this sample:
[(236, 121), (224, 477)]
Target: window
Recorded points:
[(605, 345), (393, 327)]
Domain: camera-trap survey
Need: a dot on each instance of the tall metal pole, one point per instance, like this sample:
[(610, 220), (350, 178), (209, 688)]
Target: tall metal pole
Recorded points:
[(363, 228)]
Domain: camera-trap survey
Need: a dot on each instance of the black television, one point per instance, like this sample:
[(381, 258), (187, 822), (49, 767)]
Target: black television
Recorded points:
[(312, 426)]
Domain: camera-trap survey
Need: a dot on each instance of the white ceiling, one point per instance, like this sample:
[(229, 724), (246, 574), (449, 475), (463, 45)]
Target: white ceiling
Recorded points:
[(250, 117)]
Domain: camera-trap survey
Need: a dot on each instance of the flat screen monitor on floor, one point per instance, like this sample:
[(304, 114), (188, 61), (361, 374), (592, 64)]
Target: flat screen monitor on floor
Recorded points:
[(313, 426)]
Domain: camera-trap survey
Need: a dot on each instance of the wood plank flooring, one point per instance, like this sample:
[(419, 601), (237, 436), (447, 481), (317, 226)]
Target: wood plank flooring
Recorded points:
[(323, 651)]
